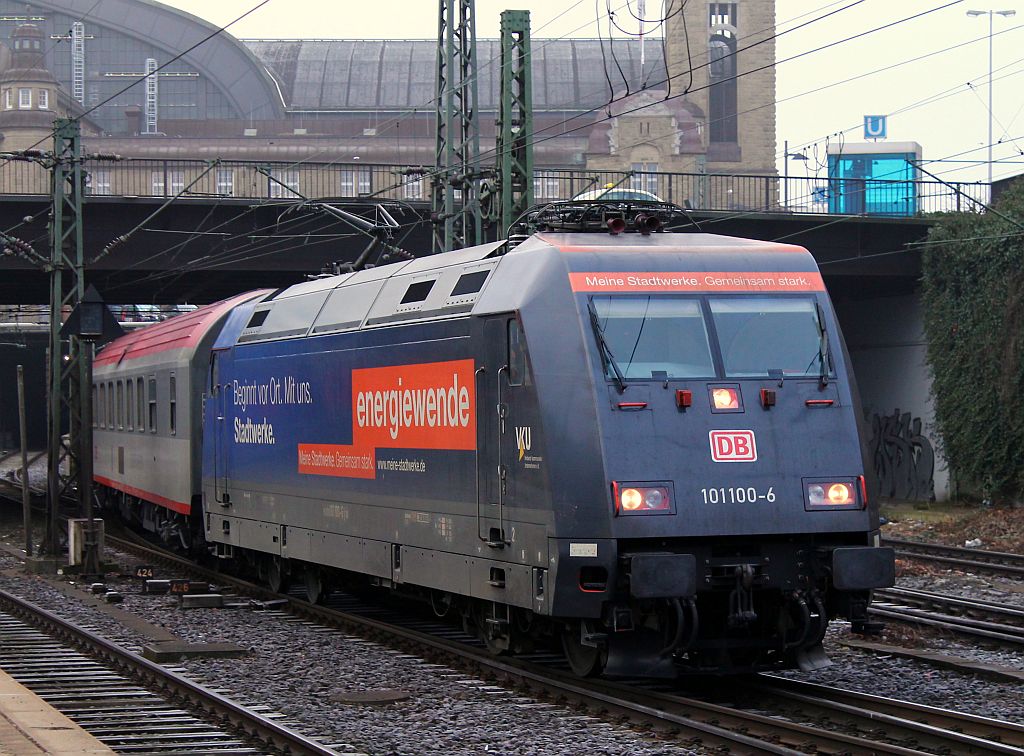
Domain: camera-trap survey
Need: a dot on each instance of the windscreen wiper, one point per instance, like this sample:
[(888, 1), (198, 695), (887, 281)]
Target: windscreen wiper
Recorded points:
[(822, 347), (607, 358)]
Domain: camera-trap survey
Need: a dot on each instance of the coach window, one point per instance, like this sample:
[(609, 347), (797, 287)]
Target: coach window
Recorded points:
[(129, 403), (97, 409), (173, 405), (120, 405), (110, 405), (516, 354), (140, 406), (152, 404)]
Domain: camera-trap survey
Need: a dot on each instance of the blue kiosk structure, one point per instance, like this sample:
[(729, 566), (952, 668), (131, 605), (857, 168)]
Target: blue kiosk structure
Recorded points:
[(874, 178)]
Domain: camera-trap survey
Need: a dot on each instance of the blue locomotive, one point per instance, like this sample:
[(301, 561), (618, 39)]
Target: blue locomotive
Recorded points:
[(644, 446)]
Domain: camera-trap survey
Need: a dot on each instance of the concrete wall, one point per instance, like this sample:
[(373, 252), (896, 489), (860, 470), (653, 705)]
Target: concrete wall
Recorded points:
[(885, 336)]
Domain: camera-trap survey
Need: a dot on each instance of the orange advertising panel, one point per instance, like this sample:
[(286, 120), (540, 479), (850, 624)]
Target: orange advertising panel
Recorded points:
[(425, 406), (422, 406), (634, 282)]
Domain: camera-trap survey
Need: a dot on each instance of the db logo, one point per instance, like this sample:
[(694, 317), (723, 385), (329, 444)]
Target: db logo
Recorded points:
[(733, 446)]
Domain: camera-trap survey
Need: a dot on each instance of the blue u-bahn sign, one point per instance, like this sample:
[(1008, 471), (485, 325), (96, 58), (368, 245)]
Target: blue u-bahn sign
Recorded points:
[(874, 127)]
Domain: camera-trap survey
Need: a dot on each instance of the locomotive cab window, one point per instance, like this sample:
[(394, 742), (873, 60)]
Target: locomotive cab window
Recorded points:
[(517, 374), (654, 335), (762, 335)]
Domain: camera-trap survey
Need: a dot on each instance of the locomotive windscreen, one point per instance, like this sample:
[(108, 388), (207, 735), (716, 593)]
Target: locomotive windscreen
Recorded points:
[(647, 335), (762, 334), (654, 336)]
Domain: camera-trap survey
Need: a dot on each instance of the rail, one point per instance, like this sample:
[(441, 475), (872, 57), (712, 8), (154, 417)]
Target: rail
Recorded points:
[(968, 560), (878, 724), (281, 181), (261, 727)]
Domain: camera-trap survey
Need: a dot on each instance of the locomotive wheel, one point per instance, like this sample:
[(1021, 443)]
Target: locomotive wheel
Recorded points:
[(498, 645), (314, 580), (276, 576), (585, 661), (441, 602)]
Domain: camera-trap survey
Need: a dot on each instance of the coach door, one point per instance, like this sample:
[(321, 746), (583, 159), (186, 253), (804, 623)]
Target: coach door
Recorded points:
[(494, 435)]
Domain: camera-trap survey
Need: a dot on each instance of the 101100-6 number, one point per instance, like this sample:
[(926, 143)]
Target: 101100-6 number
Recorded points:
[(731, 495)]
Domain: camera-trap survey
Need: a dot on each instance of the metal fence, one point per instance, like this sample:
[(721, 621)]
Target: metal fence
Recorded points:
[(283, 181)]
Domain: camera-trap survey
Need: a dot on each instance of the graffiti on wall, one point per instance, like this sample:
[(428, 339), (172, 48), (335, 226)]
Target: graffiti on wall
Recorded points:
[(903, 457)]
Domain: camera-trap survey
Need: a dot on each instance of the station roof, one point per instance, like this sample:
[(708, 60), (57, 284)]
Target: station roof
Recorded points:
[(384, 74)]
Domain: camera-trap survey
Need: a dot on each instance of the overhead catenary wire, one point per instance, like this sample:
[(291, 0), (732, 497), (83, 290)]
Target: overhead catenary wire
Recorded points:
[(591, 111), (880, 27), (738, 215), (411, 112), (936, 97), (534, 140)]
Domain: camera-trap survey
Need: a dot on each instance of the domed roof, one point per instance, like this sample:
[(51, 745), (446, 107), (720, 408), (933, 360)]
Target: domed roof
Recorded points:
[(28, 62)]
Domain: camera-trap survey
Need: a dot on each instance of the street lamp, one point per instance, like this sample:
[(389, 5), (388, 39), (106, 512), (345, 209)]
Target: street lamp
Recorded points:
[(990, 14), (786, 155)]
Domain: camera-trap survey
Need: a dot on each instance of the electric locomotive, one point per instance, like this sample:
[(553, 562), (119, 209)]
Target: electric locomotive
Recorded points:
[(644, 445)]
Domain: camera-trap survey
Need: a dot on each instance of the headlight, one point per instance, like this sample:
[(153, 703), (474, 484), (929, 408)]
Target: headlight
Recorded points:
[(644, 498), (832, 494)]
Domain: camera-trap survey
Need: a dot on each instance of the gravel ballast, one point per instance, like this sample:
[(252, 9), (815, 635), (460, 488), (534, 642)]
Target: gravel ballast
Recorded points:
[(306, 672)]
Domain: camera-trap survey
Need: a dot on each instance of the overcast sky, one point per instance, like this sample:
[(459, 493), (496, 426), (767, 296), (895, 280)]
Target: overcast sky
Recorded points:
[(954, 126)]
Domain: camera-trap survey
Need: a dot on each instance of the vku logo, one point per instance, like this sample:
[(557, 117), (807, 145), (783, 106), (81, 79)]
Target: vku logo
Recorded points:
[(523, 438)]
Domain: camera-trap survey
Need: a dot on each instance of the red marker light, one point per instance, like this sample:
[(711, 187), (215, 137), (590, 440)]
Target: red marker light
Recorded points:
[(684, 398), (632, 405), (767, 398)]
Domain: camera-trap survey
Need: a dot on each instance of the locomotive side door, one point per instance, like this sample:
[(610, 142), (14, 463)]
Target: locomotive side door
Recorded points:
[(219, 427), (493, 434)]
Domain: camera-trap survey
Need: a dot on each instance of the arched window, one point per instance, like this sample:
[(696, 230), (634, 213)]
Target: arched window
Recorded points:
[(722, 98)]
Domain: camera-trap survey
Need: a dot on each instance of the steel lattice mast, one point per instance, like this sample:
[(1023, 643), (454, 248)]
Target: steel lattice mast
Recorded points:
[(67, 285), (457, 156), (515, 119)]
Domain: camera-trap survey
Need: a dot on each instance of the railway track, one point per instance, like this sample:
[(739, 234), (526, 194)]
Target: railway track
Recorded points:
[(976, 619), (58, 660), (11, 486), (969, 560), (788, 717)]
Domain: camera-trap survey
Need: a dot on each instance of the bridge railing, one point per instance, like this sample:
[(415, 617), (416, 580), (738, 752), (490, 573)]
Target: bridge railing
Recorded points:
[(741, 193)]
